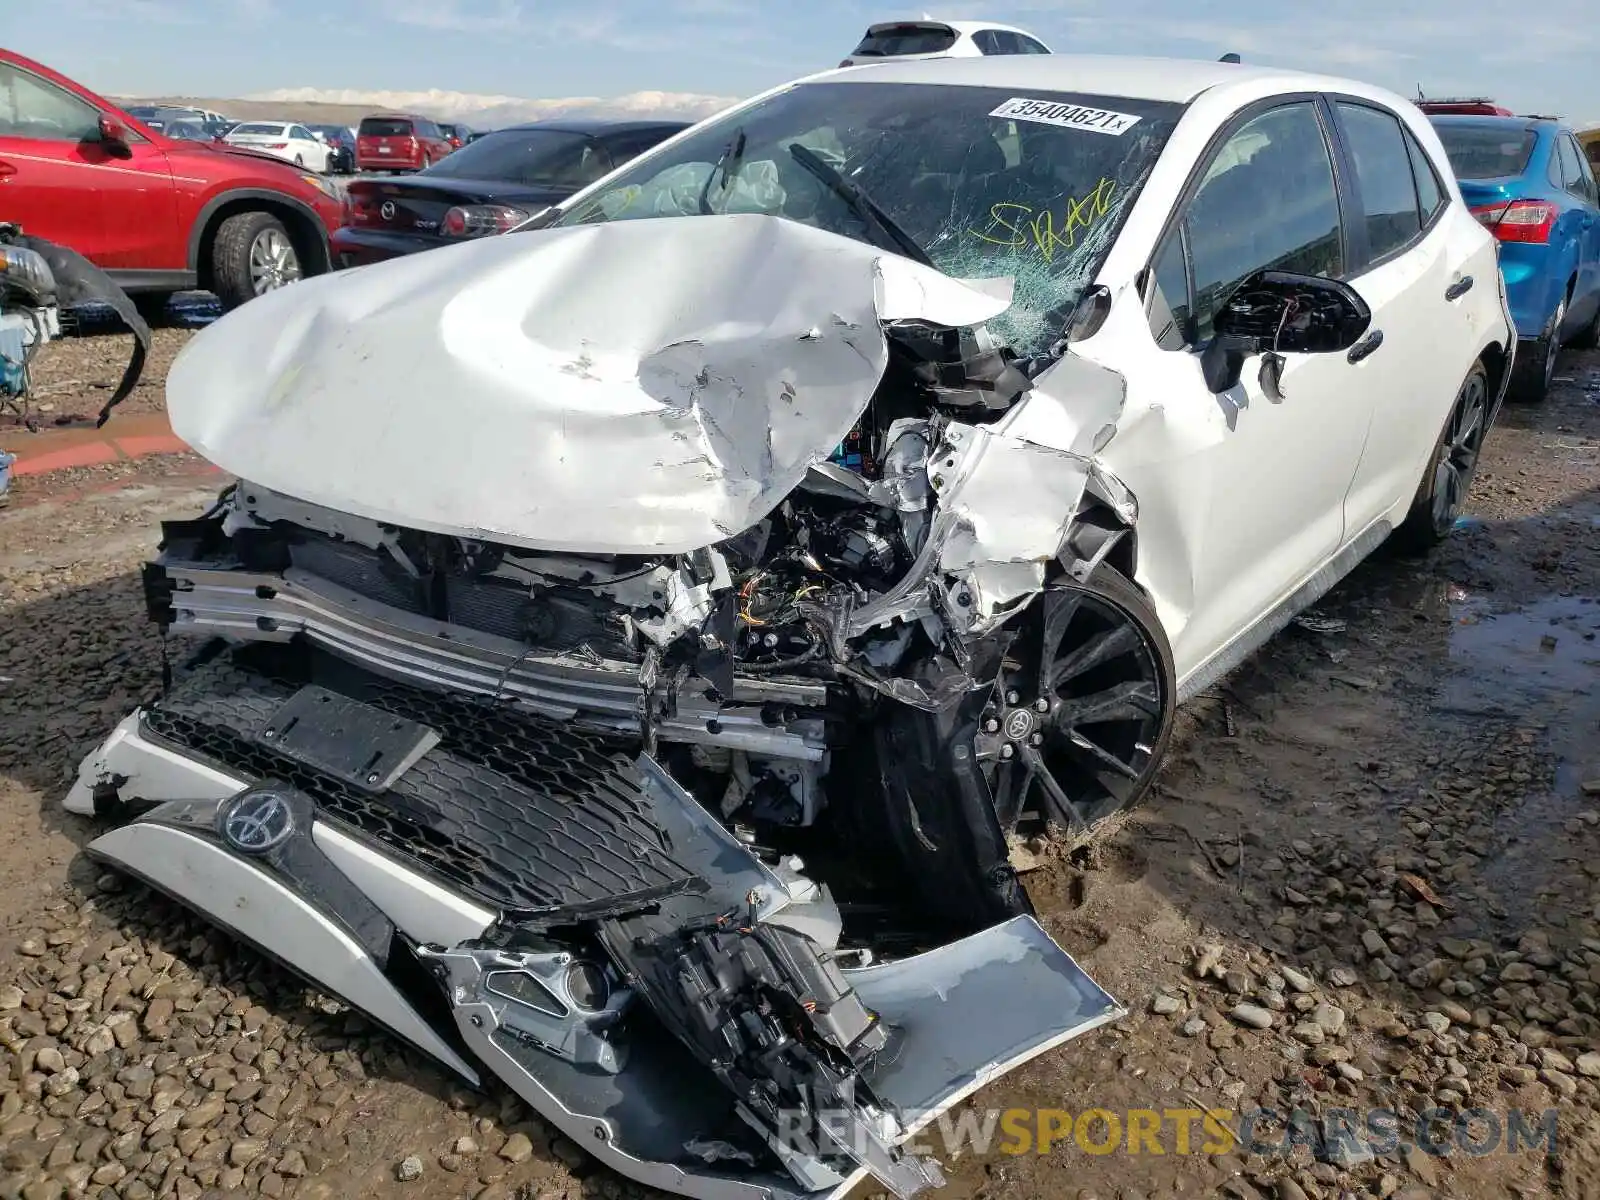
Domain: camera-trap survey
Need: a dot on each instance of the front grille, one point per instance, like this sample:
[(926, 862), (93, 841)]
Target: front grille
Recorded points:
[(520, 812)]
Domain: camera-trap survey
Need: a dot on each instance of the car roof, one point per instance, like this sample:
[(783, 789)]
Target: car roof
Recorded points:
[(1177, 80), (593, 125)]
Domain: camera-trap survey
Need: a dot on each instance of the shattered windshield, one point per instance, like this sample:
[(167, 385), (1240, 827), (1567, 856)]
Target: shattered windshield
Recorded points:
[(986, 181)]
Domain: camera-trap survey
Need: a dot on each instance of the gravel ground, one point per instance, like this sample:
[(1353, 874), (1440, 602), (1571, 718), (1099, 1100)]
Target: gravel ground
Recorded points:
[(74, 376), (1368, 879)]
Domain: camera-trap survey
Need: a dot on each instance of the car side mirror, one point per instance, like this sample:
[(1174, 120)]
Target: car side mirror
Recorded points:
[(113, 135), (1273, 313)]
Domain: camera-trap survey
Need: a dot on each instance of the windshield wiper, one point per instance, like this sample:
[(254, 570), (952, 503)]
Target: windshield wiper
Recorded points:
[(860, 203), (726, 165)]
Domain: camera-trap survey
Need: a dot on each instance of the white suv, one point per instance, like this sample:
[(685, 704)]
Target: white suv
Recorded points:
[(941, 39)]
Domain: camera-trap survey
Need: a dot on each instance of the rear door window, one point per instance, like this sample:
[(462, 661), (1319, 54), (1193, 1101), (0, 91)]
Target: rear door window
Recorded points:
[(1586, 172), (1430, 192), (1574, 178), (1028, 45), (1383, 176)]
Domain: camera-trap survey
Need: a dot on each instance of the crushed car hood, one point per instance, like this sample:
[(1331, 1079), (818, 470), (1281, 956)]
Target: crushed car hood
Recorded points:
[(642, 386)]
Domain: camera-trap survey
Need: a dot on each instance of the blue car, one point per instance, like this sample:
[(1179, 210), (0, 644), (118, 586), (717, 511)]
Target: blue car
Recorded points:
[(1526, 180)]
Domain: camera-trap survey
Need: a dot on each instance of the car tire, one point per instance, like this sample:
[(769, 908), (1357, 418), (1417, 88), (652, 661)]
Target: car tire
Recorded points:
[(1453, 462), (1535, 366), (299, 160), (939, 774), (247, 247)]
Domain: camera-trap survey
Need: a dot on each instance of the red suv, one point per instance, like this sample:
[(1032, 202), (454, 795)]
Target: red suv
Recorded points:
[(156, 213), (398, 142)]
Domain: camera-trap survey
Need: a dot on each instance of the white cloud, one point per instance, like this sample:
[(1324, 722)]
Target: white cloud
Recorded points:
[(492, 111)]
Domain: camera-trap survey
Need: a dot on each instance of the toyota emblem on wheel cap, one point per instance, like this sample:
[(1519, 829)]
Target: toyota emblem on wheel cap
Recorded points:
[(387, 210), (1019, 724), (257, 822)]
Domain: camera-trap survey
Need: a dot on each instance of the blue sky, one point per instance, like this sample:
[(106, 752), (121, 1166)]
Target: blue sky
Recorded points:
[(1547, 59)]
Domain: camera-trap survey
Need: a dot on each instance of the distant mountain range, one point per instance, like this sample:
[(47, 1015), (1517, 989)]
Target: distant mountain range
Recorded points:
[(341, 106)]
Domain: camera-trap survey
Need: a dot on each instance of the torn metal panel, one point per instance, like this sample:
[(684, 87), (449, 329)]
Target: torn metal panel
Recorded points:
[(592, 423), (1005, 508)]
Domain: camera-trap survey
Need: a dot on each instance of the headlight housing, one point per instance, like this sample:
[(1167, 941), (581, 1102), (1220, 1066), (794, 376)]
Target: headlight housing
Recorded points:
[(326, 186), (27, 272)]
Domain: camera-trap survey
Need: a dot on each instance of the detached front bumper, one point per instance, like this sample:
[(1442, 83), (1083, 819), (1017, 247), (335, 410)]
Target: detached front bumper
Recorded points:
[(420, 891)]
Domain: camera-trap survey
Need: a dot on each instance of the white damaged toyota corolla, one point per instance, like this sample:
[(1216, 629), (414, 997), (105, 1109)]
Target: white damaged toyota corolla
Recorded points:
[(864, 475)]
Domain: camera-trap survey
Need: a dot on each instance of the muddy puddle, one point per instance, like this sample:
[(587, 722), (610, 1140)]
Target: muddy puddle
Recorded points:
[(1510, 661), (1536, 667)]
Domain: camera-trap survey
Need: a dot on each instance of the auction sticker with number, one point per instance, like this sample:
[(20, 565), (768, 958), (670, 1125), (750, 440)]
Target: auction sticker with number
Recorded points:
[(1069, 116)]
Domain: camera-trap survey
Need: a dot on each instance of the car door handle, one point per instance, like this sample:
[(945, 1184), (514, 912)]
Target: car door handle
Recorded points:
[(6, 169), (1365, 346), (1459, 288)]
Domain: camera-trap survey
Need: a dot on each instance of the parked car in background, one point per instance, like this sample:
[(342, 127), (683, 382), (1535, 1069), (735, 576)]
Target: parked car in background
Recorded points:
[(341, 143), (187, 131), (1531, 186), (159, 116), (399, 142), (491, 185), (158, 214), (286, 140), (457, 134), (941, 39)]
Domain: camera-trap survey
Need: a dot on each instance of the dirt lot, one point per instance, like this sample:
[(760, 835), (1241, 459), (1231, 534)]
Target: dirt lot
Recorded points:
[(1369, 880)]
